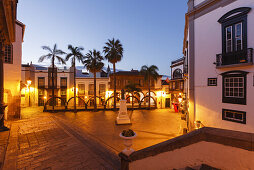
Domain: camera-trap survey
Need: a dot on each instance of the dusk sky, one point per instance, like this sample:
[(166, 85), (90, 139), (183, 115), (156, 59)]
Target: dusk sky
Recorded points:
[(151, 31)]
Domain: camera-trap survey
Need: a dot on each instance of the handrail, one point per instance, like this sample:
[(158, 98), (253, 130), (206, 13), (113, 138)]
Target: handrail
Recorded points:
[(236, 57), (231, 138)]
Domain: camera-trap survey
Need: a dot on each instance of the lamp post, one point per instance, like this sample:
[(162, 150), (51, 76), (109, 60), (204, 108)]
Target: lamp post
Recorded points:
[(28, 83)]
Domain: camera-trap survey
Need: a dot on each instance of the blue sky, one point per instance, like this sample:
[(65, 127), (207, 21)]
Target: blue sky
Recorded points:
[(151, 31)]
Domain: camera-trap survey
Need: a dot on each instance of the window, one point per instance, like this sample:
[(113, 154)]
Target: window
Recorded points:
[(41, 82), (63, 96), (234, 87), (238, 37), (229, 39), (90, 89), (234, 116), (8, 54), (63, 92), (81, 89), (102, 89), (174, 85), (234, 36), (212, 82), (141, 83), (181, 85), (177, 74), (170, 85), (63, 82), (50, 77)]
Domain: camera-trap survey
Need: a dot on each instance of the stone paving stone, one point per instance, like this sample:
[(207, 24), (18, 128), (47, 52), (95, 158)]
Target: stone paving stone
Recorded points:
[(41, 143), (3, 143)]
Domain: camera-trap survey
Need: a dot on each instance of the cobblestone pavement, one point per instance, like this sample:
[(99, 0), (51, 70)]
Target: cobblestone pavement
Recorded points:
[(4, 136), (151, 126), (45, 142)]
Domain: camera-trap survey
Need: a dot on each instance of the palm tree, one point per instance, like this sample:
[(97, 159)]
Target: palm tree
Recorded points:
[(150, 73), (52, 55), (93, 63), (114, 53), (75, 54), (131, 88)]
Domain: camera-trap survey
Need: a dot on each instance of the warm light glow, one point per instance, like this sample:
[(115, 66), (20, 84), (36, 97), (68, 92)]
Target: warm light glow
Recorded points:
[(85, 97), (108, 94), (73, 89), (180, 98), (23, 91), (29, 82), (161, 94), (45, 97), (198, 124)]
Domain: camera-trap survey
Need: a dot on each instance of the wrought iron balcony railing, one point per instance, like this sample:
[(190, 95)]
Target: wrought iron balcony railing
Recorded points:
[(241, 57)]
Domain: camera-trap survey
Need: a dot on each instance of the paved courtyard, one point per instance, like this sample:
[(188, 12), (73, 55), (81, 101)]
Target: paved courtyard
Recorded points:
[(85, 140), (152, 126)]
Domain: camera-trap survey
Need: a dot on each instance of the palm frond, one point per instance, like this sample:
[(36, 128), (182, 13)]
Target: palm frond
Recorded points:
[(42, 58), (93, 61), (60, 59), (47, 48), (68, 56)]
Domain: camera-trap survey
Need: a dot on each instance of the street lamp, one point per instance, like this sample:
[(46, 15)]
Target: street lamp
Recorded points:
[(28, 83)]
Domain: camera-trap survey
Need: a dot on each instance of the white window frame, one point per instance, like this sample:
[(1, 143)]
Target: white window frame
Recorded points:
[(233, 87), (212, 81), (243, 120), (241, 36), (229, 39)]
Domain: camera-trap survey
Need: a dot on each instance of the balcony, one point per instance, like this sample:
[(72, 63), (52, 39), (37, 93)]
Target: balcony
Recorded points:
[(235, 59)]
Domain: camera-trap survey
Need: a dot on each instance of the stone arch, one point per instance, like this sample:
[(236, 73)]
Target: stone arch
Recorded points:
[(67, 103), (148, 99), (92, 98), (133, 97), (105, 104), (177, 74), (147, 93)]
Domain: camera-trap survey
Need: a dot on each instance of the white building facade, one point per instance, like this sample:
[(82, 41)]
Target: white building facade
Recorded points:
[(218, 45), (40, 91), (12, 73)]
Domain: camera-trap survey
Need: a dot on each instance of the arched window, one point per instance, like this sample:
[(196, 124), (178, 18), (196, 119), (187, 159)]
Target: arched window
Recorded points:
[(234, 37), (177, 74)]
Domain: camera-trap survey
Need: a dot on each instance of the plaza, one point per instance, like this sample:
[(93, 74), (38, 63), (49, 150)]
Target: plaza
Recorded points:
[(87, 140), (127, 85)]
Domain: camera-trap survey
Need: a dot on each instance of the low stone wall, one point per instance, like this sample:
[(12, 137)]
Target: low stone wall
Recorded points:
[(223, 149)]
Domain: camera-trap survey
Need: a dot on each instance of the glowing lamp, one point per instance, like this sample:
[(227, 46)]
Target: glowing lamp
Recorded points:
[(29, 82), (180, 99)]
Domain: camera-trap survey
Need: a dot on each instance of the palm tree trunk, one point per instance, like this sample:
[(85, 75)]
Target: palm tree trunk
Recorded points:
[(75, 90), (114, 70), (53, 83), (94, 79), (149, 93)]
